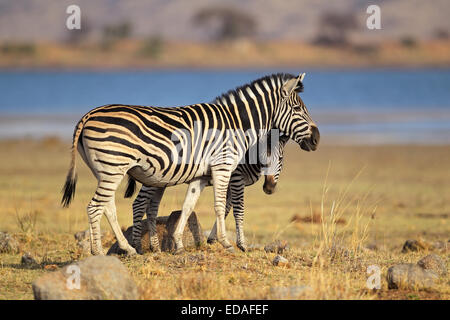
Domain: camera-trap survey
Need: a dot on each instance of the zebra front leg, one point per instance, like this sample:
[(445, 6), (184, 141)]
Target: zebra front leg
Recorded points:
[(213, 234), (111, 215), (152, 213), (193, 193), (237, 191), (221, 177)]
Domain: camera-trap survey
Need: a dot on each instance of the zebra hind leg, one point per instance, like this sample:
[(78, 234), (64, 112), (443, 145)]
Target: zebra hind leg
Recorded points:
[(95, 211), (111, 215)]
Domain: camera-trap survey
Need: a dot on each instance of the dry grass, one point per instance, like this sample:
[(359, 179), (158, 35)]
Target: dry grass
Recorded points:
[(383, 194)]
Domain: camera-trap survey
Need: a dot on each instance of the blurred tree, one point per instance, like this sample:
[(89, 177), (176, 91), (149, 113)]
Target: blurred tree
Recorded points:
[(408, 41), (76, 36), (334, 28), (232, 24), (152, 47), (441, 34), (112, 33)]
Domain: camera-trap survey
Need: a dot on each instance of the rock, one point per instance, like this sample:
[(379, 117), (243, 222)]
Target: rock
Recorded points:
[(278, 246), (85, 246), (280, 261), (8, 244), (255, 246), (286, 293), (408, 275), (165, 226), (82, 235), (415, 245), (434, 263), (28, 260), (101, 278), (440, 245)]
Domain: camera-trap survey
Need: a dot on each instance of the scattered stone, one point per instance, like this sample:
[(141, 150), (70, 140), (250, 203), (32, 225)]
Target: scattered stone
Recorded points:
[(280, 261), (83, 241), (278, 246), (101, 278), (440, 245), (415, 245), (434, 263), (255, 246), (82, 235), (8, 244), (286, 293), (165, 226), (408, 275), (28, 260)]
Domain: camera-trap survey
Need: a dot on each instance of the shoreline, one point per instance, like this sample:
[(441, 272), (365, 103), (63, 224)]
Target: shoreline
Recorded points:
[(242, 55)]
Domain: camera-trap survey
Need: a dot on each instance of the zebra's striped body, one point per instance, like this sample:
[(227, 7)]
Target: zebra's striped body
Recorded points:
[(246, 174), (161, 147)]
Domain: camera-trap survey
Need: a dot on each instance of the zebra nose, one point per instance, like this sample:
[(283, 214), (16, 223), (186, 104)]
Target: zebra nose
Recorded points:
[(269, 184), (315, 135)]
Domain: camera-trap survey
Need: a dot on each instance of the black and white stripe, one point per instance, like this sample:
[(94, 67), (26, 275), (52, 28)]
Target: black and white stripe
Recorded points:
[(153, 144), (246, 174)]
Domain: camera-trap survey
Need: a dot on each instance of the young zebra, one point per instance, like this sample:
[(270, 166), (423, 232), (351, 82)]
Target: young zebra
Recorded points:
[(154, 144), (148, 199)]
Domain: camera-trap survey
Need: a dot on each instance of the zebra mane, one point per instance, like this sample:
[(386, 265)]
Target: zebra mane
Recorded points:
[(235, 92)]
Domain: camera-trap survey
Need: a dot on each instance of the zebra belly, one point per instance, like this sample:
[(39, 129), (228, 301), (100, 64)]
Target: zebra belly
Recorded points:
[(148, 177)]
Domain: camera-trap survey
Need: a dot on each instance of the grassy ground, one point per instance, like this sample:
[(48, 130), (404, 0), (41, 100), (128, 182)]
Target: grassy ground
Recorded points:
[(383, 194)]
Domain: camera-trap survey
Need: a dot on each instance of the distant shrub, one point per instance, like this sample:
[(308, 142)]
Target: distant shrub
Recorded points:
[(9, 48), (333, 28), (365, 49), (152, 47), (441, 34), (115, 32), (408, 42)]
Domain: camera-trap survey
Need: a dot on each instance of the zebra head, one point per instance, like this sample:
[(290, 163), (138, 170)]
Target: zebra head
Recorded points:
[(293, 117), (273, 170)]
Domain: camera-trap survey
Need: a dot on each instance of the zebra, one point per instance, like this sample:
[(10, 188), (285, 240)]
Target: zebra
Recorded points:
[(162, 147), (246, 174)]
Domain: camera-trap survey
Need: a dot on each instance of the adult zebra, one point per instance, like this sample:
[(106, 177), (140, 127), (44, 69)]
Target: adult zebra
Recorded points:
[(167, 146), (246, 174)]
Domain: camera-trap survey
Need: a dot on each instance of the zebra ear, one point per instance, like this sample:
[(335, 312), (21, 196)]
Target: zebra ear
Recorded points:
[(290, 86), (299, 87)]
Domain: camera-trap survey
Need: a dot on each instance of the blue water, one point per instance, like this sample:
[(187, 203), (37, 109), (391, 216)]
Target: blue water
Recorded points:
[(422, 96)]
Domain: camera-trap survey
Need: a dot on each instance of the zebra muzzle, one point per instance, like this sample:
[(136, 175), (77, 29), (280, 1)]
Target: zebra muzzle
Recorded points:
[(269, 184)]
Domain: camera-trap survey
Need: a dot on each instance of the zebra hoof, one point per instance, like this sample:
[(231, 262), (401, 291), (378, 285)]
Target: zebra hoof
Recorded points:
[(138, 249), (131, 251), (211, 240), (243, 247)]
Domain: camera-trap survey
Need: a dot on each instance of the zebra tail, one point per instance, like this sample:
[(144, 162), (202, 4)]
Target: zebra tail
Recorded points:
[(71, 180), (131, 187)]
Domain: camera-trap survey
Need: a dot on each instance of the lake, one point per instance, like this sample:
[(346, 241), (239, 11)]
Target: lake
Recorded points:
[(367, 106)]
